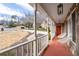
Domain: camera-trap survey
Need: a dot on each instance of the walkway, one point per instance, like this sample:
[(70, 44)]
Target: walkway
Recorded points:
[(57, 49)]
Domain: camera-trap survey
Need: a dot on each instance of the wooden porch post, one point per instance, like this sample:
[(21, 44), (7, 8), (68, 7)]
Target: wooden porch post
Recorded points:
[(35, 30)]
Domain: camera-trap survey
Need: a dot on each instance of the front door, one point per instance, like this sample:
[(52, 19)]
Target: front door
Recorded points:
[(58, 29)]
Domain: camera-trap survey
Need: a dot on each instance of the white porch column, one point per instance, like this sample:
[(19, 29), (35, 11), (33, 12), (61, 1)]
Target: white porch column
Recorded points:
[(35, 32), (47, 28)]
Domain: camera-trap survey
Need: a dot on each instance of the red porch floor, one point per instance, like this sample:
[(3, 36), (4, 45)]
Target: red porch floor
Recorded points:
[(57, 49)]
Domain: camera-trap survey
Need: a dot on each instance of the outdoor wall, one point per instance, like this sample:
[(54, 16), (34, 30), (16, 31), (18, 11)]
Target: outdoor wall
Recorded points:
[(73, 32), (77, 35), (69, 26)]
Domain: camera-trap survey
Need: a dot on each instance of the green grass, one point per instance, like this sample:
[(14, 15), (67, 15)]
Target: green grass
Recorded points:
[(41, 29)]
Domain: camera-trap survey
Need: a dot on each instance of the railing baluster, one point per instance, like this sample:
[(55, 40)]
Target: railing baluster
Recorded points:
[(32, 48), (40, 44), (16, 51), (27, 49), (22, 48), (7, 53), (37, 46)]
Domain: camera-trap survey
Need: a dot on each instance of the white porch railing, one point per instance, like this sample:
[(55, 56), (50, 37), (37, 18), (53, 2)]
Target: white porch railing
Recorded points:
[(27, 48), (68, 40), (73, 47)]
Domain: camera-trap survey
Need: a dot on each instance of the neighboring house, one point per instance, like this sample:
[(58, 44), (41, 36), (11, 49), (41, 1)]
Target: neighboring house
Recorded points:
[(44, 25), (1, 26)]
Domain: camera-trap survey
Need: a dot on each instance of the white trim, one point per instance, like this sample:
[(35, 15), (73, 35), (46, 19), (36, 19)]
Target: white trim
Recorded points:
[(71, 13)]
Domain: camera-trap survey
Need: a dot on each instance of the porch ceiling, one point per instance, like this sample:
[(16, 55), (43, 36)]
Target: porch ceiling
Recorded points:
[(51, 9)]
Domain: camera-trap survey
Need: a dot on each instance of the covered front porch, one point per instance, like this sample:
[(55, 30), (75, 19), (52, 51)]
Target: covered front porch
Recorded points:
[(55, 40)]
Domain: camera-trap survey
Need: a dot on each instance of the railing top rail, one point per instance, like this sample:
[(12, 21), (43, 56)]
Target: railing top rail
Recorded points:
[(20, 44), (42, 36)]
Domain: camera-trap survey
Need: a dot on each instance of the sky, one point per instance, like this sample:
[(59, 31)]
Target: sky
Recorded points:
[(19, 9)]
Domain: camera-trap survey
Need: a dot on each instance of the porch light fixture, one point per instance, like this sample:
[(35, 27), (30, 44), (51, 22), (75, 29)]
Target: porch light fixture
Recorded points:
[(60, 9)]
